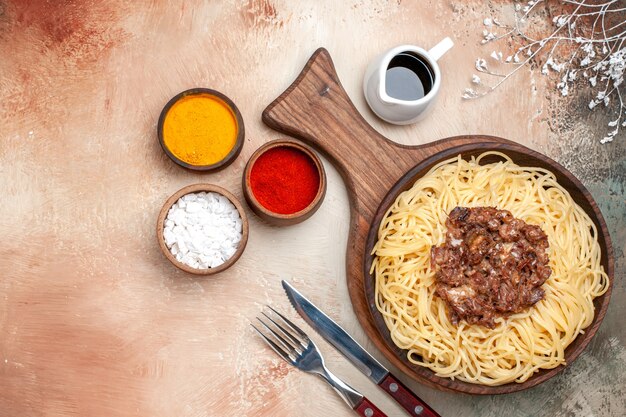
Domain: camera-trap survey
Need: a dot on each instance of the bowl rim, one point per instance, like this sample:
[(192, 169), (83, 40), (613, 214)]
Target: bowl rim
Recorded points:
[(194, 188), (279, 218), (515, 152), (239, 140)]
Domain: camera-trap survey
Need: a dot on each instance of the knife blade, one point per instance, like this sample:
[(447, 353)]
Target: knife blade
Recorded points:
[(351, 349)]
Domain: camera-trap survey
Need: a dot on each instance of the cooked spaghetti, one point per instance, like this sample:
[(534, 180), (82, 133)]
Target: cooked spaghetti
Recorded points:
[(519, 344)]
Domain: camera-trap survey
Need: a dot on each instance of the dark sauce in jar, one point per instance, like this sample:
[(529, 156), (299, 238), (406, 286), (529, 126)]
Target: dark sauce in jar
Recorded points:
[(408, 77)]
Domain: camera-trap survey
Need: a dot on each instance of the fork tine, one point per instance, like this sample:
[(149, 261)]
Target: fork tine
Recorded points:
[(292, 326), (290, 348), (274, 346), (298, 343)]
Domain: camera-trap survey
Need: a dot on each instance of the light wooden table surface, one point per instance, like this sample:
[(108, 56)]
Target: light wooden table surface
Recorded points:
[(95, 322)]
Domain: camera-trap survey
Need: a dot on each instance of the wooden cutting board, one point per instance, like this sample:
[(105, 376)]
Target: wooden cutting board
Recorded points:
[(316, 109)]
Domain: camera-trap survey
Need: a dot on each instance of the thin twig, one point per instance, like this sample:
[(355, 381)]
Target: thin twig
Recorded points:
[(599, 55)]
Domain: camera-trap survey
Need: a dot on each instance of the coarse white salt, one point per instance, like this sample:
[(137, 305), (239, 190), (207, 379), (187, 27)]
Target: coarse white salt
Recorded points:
[(203, 230)]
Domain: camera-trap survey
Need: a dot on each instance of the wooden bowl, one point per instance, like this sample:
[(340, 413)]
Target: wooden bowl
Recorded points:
[(241, 133), (278, 219), (195, 188), (317, 109), (525, 158)]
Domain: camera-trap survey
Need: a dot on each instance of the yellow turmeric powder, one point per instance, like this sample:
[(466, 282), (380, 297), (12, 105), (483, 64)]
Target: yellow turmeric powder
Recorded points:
[(200, 129)]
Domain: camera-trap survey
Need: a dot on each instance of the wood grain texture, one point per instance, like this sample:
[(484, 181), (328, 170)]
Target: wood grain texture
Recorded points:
[(366, 408), (413, 405), (95, 321), (317, 109)]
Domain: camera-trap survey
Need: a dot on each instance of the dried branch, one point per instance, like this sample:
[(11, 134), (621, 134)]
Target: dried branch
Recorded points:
[(586, 42)]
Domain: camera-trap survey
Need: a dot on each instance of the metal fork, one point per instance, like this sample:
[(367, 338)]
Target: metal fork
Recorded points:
[(295, 347)]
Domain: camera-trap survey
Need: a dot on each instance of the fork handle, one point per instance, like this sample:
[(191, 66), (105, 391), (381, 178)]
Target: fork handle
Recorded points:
[(367, 409)]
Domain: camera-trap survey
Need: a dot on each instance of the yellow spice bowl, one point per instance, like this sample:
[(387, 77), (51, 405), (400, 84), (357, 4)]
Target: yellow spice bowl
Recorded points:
[(201, 129)]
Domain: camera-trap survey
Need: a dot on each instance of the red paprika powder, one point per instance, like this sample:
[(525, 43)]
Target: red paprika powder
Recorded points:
[(284, 180)]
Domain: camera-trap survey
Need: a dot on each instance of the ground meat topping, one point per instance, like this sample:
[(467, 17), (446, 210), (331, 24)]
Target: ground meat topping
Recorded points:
[(491, 265)]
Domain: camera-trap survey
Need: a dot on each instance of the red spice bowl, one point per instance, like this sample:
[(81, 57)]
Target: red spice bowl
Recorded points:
[(284, 182)]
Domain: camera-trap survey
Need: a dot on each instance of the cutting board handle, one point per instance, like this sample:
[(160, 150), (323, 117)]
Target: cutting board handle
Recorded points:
[(317, 110)]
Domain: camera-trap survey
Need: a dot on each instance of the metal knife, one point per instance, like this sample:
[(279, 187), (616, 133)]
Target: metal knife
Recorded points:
[(366, 363)]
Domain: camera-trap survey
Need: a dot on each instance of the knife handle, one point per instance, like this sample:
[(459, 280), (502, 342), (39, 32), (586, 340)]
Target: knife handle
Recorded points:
[(406, 398), (366, 409)]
